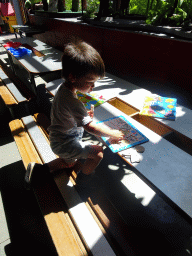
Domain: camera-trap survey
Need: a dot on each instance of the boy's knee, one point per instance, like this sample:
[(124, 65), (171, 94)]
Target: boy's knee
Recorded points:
[(100, 155), (97, 152)]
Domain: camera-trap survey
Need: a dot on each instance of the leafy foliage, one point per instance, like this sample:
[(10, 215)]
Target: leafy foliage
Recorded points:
[(158, 12), (163, 12), (138, 7), (92, 8), (68, 4)]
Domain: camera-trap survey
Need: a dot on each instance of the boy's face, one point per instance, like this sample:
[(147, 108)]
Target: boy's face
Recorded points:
[(86, 84)]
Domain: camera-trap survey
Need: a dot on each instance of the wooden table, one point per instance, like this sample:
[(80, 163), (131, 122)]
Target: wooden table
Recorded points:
[(44, 59), (165, 168), (27, 30), (112, 86)]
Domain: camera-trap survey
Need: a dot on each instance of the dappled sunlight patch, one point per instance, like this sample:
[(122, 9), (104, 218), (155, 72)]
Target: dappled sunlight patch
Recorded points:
[(113, 167), (136, 186), (180, 111)]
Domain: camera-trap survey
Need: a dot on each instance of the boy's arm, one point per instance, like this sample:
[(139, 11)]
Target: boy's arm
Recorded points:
[(101, 130)]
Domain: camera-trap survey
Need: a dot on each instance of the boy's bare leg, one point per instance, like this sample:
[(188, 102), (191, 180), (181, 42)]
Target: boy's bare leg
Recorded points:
[(94, 158), (59, 164)]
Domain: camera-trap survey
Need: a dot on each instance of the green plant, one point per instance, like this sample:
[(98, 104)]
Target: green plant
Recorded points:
[(172, 12), (138, 7), (92, 8), (68, 4)]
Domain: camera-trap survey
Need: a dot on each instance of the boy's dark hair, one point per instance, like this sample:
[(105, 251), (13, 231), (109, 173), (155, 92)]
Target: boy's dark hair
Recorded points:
[(80, 59)]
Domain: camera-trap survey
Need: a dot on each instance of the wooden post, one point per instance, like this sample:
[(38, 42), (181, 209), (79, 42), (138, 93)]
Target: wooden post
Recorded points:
[(61, 5), (75, 5), (18, 12)]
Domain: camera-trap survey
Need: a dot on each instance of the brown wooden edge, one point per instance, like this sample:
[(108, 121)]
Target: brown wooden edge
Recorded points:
[(60, 226), (7, 96), (149, 122), (28, 94)]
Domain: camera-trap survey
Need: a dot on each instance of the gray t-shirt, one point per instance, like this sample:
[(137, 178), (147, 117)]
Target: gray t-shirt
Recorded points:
[(68, 116)]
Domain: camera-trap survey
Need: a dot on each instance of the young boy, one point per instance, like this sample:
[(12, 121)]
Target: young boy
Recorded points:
[(82, 66)]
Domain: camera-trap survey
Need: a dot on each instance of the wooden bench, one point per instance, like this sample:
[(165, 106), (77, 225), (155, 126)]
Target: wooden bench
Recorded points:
[(76, 227), (27, 30), (12, 97)]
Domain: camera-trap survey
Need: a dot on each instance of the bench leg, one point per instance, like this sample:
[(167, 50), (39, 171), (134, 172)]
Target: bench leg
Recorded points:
[(15, 33), (33, 84), (11, 63)]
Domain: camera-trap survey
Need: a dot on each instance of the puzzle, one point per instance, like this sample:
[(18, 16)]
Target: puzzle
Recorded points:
[(160, 107), (133, 136), (90, 99)]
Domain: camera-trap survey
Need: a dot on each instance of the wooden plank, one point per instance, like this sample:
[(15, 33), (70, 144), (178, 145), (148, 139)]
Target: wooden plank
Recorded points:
[(53, 86), (115, 229), (7, 97), (43, 122), (11, 87), (24, 143), (15, 92), (61, 229), (85, 223), (123, 106), (39, 140), (153, 124), (65, 243)]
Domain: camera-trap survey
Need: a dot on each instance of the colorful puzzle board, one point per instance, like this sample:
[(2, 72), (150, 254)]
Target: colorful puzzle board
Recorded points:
[(133, 136), (161, 107), (91, 99)]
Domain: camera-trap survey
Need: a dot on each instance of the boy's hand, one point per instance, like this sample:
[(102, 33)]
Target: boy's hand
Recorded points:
[(91, 111), (117, 136)]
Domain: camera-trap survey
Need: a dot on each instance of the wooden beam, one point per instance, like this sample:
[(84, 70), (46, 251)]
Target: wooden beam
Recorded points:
[(62, 231)]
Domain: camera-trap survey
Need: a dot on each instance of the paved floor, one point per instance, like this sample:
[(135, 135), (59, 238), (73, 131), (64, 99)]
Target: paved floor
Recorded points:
[(157, 228)]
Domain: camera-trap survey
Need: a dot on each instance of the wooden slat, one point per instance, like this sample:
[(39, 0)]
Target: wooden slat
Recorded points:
[(153, 124), (7, 97), (6, 72), (24, 143), (85, 223), (61, 229), (43, 121), (39, 140), (53, 86), (65, 243), (123, 106), (116, 229), (11, 87), (15, 92)]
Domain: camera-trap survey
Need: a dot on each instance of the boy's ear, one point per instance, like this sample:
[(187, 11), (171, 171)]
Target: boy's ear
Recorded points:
[(72, 79)]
